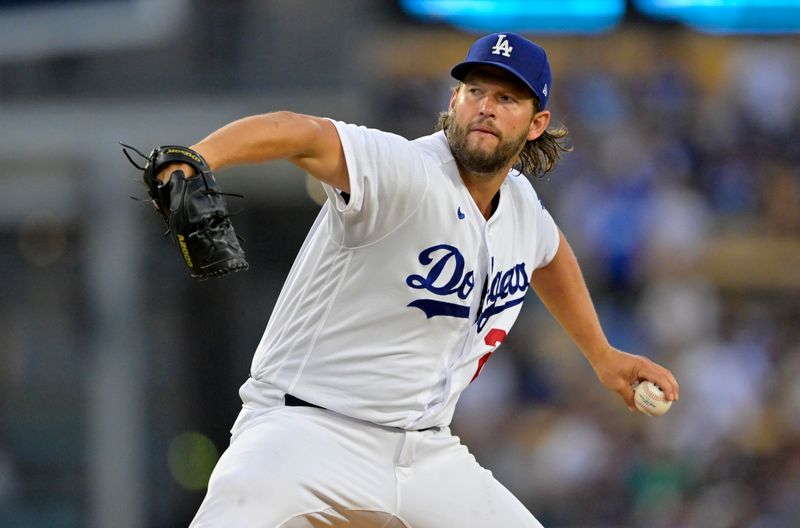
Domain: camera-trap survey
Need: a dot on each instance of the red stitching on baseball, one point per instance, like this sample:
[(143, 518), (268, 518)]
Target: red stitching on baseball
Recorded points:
[(654, 395)]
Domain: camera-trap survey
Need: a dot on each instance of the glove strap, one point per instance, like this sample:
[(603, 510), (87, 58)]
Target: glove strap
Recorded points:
[(176, 154)]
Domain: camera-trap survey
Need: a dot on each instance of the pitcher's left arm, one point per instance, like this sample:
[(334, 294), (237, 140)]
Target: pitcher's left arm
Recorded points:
[(562, 289)]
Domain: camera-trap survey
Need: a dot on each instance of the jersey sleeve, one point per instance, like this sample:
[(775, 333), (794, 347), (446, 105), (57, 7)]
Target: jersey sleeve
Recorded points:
[(547, 236), (387, 177)]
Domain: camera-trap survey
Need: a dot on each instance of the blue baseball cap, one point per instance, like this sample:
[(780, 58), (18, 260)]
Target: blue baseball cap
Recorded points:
[(517, 55)]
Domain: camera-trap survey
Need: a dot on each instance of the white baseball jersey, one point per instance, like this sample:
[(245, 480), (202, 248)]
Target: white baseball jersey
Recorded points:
[(400, 293)]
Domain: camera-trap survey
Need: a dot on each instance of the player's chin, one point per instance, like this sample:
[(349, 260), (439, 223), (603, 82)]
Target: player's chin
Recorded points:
[(484, 143)]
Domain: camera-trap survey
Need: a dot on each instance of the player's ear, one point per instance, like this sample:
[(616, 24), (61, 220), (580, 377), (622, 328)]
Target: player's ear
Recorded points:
[(538, 124)]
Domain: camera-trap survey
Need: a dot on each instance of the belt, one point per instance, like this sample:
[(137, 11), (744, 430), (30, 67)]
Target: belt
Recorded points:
[(292, 401)]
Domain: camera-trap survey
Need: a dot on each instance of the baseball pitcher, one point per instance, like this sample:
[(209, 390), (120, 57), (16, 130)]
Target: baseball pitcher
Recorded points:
[(409, 280)]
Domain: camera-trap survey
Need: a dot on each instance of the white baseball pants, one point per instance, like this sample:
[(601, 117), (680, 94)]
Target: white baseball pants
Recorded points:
[(298, 467)]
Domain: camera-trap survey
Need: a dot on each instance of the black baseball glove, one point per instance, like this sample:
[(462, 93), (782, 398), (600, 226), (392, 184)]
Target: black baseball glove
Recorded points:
[(194, 210)]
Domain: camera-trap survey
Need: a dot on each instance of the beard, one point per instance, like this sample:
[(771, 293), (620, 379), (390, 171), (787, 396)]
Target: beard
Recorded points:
[(478, 161)]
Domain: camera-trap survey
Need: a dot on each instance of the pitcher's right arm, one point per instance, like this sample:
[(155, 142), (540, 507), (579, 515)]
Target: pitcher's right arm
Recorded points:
[(311, 143)]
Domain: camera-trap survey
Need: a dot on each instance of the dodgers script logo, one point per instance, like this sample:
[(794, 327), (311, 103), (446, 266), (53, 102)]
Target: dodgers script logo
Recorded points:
[(446, 277)]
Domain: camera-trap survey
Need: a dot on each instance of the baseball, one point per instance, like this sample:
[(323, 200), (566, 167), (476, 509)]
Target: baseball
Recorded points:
[(650, 399)]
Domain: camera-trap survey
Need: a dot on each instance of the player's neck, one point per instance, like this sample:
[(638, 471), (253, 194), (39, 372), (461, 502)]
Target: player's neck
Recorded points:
[(483, 189)]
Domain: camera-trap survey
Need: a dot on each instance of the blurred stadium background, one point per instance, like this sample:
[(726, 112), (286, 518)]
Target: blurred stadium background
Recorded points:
[(119, 375)]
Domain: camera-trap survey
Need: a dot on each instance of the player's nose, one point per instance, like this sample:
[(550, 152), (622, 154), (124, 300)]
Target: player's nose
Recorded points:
[(487, 106)]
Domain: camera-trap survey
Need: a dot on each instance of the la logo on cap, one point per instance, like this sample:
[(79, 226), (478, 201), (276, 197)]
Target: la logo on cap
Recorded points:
[(501, 46)]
